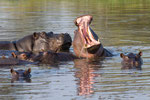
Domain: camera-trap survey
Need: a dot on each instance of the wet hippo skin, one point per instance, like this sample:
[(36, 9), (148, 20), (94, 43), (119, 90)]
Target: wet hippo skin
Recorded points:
[(86, 42), (10, 61), (27, 43), (45, 57), (52, 57), (20, 75), (131, 61), (59, 42), (39, 41)]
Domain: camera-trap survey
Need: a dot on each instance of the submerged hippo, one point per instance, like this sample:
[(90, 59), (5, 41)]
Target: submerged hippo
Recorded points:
[(86, 42), (20, 75), (4, 61), (39, 41), (52, 57), (45, 57), (10, 61), (131, 61)]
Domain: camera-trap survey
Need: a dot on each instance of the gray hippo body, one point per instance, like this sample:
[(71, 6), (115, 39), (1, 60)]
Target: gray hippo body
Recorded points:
[(7, 45), (49, 57), (38, 42)]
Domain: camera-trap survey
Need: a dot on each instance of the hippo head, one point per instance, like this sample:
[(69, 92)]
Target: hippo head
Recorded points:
[(131, 61), (86, 42), (49, 41), (20, 74), (59, 42), (40, 41), (22, 55)]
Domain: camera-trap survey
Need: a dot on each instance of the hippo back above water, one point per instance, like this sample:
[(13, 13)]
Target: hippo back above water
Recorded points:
[(39, 41), (51, 58)]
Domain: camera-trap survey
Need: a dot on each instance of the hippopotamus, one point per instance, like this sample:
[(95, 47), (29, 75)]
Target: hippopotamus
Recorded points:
[(8, 61), (131, 61), (86, 42), (39, 41), (52, 57), (28, 43), (8, 58), (20, 75), (47, 57), (59, 42)]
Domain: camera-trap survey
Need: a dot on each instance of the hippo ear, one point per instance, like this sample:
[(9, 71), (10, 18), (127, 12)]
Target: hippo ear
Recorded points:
[(29, 70), (35, 35), (45, 53), (3, 57), (14, 55), (12, 70), (23, 56), (43, 34), (122, 55), (140, 53)]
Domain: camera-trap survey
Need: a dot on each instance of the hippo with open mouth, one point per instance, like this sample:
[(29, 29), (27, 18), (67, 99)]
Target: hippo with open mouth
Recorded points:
[(86, 42)]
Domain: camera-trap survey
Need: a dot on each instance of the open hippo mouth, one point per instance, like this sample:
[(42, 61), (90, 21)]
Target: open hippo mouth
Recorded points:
[(89, 37)]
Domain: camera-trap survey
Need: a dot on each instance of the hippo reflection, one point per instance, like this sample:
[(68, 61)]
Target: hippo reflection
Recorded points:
[(20, 75), (86, 42), (39, 41), (86, 74), (131, 61)]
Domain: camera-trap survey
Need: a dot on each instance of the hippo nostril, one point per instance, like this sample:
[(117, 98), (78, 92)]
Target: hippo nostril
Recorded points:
[(85, 45)]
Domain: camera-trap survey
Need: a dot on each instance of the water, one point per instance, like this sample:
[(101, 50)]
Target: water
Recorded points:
[(122, 26)]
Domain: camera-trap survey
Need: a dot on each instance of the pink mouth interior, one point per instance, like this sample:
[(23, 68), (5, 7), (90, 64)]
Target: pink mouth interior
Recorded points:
[(87, 36)]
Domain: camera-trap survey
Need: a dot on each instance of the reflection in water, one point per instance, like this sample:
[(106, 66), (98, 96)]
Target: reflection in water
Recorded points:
[(85, 74), (122, 24), (21, 80)]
